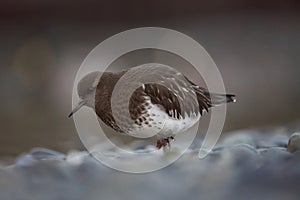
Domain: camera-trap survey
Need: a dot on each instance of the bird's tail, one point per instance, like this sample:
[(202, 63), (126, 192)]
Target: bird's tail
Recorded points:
[(214, 99), (207, 99), (217, 99)]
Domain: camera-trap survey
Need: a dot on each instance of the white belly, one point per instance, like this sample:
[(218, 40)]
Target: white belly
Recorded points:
[(163, 125)]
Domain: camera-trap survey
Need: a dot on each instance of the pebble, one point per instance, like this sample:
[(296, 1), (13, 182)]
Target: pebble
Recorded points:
[(294, 143), (279, 141), (238, 165), (238, 138), (278, 154), (25, 160), (76, 157), (45, 154), (36, 154)]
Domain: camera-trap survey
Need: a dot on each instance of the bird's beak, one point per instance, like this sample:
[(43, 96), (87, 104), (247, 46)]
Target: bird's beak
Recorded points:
[(79, 105)]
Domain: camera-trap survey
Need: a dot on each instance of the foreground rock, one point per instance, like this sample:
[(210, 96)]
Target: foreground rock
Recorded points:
[(294, 143), (243, 166)]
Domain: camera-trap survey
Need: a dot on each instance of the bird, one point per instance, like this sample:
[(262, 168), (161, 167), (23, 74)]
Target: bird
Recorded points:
[(168, 105)]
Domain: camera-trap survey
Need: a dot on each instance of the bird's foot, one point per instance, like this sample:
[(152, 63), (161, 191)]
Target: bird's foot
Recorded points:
[(164, 142)]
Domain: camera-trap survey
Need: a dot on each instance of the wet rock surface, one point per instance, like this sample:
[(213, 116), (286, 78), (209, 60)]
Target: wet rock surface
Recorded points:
[(294, 143), (245, 165)]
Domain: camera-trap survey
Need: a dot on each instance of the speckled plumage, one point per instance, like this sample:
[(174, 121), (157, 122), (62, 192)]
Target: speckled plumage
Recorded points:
[(168, 106)]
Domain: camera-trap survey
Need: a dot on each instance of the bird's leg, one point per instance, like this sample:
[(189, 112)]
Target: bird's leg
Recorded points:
[(158, 144), (164, 142)]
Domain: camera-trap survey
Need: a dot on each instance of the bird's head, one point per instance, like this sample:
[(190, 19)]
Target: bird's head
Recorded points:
[(86, 89)]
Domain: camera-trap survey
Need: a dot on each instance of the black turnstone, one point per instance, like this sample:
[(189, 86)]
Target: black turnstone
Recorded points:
[(164, 101)]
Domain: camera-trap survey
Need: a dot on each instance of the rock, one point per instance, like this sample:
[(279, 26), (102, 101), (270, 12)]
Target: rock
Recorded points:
[(294, 143), (239, 156), (276, 154), (279, 141), (36, 154), (76, 157), (253, 163), (239, 138), (25, 160), (45, 154)]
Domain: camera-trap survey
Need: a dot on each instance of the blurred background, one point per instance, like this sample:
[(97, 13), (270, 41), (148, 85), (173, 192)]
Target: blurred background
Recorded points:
[(254, 43)]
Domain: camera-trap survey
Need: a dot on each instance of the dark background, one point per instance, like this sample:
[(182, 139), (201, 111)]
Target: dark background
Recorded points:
[(255, 44)]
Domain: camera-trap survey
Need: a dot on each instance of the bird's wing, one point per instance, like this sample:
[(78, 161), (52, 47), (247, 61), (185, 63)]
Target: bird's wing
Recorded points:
[(175, 102)]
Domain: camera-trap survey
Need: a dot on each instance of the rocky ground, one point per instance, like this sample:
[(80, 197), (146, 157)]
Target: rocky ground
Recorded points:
[(246, 164)]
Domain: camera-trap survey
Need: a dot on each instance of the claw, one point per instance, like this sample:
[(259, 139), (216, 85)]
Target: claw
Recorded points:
[(164, 142), (158, 144)]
